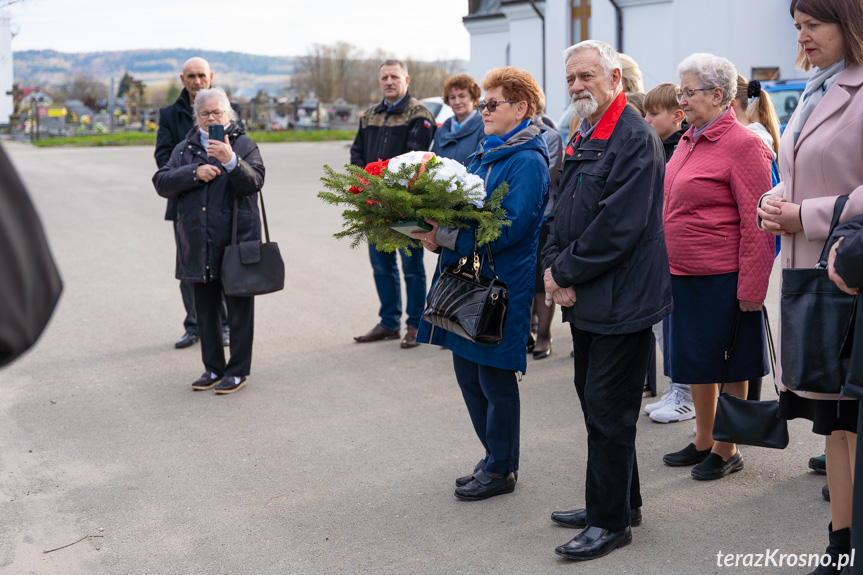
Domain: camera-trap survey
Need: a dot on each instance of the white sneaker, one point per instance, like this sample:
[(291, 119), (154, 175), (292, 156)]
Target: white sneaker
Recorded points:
[(651, 407), (677, 408)]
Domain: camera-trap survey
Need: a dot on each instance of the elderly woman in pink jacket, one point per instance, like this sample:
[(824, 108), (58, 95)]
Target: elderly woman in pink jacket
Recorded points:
[(720, 261), (819, 159)]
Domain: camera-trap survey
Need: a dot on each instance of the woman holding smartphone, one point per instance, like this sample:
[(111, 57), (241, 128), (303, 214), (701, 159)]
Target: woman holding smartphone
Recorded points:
[(214, 167)]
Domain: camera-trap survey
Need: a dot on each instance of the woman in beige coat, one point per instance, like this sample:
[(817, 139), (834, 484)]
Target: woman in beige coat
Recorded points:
[(820, 158)]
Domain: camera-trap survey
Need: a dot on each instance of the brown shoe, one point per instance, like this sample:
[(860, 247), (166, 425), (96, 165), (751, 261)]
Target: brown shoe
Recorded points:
[(410, 339), (378, 333)]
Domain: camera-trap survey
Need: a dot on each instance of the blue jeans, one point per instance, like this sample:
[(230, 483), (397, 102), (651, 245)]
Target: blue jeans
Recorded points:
[(389, 288)]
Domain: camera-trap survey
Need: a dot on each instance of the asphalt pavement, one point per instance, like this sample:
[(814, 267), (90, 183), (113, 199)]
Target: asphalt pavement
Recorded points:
[(337, 457)]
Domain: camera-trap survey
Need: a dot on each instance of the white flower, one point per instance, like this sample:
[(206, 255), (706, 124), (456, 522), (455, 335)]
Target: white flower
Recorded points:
[(448, 170)]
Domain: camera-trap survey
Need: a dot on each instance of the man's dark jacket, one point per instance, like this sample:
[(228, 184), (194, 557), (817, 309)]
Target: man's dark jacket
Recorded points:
[(383, 134), (175, 122), (606, 237), (205, 210)]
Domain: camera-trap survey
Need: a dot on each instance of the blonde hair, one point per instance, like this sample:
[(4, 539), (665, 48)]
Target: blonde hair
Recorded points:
[(663, 97), (631, 74), (762, 110)]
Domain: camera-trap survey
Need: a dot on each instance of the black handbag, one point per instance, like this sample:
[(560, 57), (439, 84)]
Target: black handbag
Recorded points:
[(815, 318), (748, 422), (252, 268), (467, 303)]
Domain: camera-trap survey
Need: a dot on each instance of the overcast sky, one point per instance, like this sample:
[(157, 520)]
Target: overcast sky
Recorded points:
[(426, 30)]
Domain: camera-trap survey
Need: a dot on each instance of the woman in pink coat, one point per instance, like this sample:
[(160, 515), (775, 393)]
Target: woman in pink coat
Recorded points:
[(820, 158), (720, 261)]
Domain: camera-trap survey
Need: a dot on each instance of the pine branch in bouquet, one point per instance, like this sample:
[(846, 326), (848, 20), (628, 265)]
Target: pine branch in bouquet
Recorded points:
[(376, 197)]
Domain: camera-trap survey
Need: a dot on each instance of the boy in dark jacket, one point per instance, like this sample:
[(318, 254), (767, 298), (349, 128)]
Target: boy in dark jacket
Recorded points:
[(665, 116)]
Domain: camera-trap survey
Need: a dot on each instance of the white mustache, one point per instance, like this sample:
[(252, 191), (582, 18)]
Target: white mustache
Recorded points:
[(583, 95)]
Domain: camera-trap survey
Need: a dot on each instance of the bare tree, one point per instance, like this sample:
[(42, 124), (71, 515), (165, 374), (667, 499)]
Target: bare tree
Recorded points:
[(87, 89)]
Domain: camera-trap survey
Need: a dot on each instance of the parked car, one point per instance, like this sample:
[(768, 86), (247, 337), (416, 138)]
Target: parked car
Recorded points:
[(785, 95), (440, 110)]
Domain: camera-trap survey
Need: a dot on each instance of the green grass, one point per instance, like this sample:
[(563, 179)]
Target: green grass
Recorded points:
[(149, 138), (121, 139), (302, 136)]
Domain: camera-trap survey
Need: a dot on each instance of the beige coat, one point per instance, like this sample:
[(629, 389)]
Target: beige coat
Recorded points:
[(826, 162)]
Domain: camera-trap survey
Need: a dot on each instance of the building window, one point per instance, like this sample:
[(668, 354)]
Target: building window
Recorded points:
[(580, 20)]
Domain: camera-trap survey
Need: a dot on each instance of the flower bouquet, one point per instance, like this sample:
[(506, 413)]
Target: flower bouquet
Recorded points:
[(388, 199)]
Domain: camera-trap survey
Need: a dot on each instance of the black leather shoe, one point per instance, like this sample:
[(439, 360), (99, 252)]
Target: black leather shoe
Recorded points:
[(818, 464), (230, 384), (187, 340), (578, 518), (377, 333), (484, 486), (542, 354), (594, 542), (714, 468), (531, 342), (208, 380), (464, 480), (686, 456)]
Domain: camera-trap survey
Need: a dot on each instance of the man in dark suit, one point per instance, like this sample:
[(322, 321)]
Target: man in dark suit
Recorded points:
[(175, 122)]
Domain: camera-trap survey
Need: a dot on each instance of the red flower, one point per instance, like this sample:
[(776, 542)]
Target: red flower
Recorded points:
[(358, 189), (375, 168)]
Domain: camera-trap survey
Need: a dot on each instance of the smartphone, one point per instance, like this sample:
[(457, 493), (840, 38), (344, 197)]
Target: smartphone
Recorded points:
[(217, 132)]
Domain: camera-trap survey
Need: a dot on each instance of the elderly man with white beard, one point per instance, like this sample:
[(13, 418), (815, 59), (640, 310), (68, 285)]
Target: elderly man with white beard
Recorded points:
[(606, 265)]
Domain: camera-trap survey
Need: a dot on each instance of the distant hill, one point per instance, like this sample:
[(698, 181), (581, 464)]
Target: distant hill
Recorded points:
[(231, 68)]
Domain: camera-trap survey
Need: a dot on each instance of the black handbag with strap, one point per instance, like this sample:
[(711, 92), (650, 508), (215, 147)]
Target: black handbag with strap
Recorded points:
[(467, 303), (252, 268), (748, 422), (815, 318)]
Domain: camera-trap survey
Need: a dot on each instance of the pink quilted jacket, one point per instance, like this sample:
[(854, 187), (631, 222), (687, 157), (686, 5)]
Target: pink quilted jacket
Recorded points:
[(711, 190)]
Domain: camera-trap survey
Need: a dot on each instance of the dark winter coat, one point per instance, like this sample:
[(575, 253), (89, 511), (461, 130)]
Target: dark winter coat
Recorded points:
[(459, 145), (849, 265), (205, 211), (383, 134), (175, 121), (606, 238), (522, 162)]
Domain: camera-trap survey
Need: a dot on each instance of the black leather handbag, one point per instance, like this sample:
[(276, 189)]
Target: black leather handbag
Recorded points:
[(252, 268), (815, 320), (468, 303), (748, 422)]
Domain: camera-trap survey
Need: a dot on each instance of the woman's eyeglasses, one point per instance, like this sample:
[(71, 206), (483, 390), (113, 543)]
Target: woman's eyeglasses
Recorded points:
[(492, 104), (687, 94), (213, 113)]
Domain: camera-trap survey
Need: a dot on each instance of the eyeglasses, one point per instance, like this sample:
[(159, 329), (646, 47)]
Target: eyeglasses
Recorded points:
[(689, 93), (213, 113), (492, 104)]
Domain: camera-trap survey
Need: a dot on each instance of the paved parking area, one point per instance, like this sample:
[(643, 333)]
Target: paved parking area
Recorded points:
[(337, 457)]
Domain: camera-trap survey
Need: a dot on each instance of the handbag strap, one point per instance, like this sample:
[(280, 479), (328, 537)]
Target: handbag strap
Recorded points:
[(487, 247), (837, 212), (770, 348), (263, 215), (730, 350)]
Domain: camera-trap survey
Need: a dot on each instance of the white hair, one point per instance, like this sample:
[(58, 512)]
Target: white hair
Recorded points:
[(713, 72), (608, 58), (217, 94)]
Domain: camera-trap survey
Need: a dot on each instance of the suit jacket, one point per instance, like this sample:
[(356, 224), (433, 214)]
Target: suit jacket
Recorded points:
[(825, 162)]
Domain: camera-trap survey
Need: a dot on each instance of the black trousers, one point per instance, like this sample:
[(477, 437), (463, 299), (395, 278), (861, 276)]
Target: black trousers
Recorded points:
[(491, 396), (609, 379), (241, 319), (190, 323)]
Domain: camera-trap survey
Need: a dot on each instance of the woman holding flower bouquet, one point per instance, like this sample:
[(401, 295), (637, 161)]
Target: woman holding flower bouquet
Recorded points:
[(516, 153)]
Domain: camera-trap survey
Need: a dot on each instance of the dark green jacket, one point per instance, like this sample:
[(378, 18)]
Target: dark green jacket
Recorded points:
[(409, 127)]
